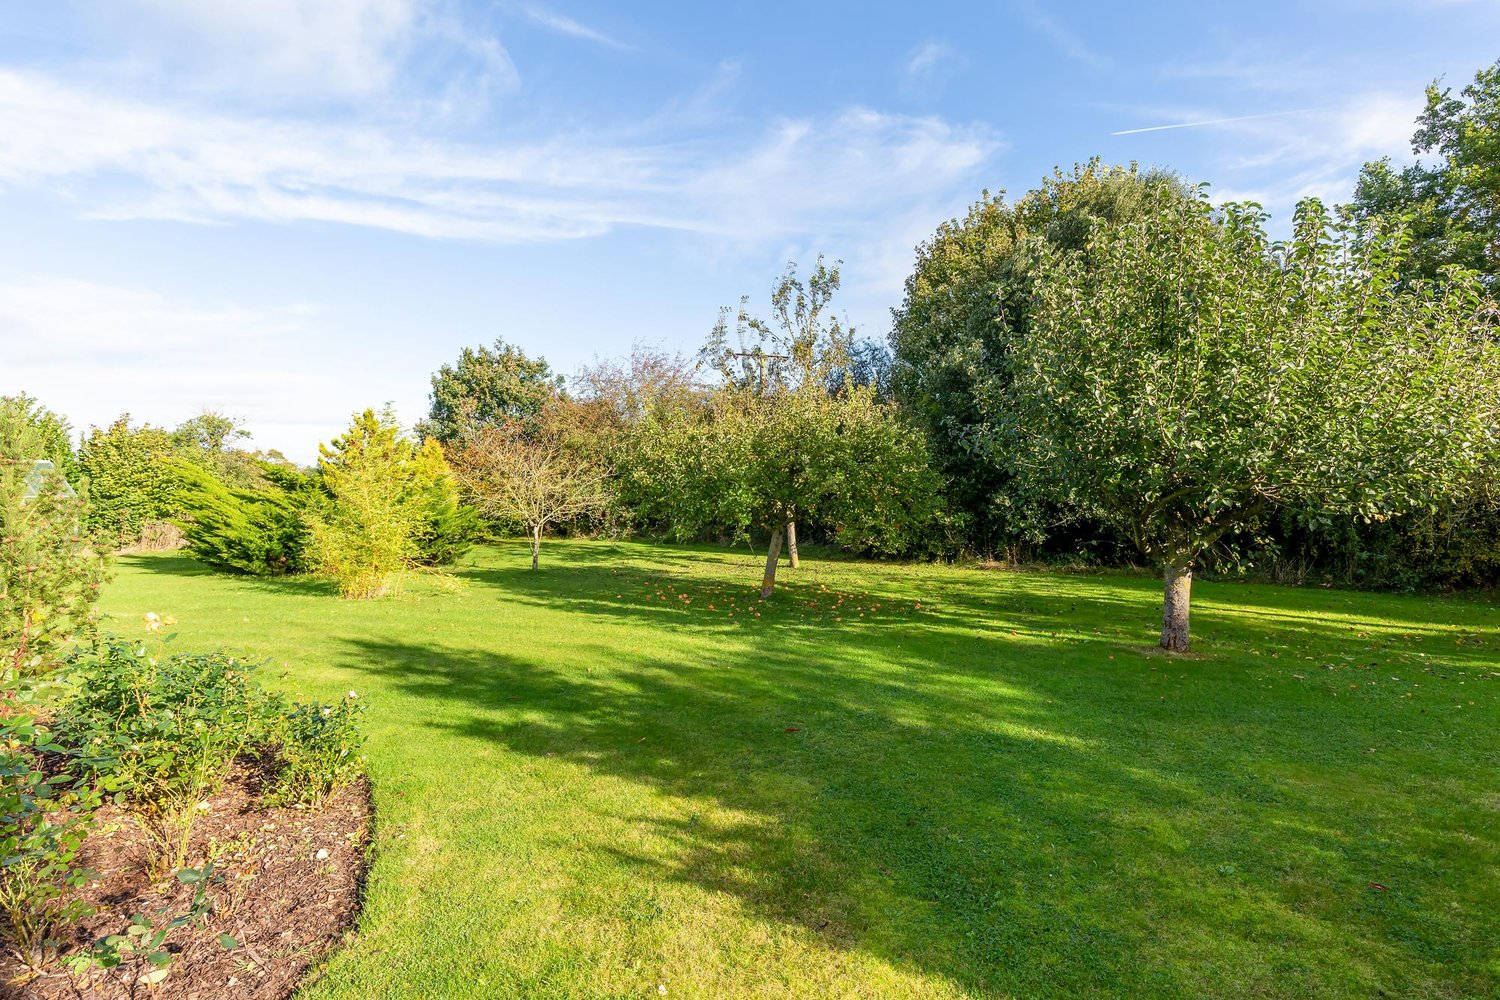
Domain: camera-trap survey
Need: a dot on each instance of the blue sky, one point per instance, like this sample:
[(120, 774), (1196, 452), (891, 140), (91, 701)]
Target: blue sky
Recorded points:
[(290, 209)]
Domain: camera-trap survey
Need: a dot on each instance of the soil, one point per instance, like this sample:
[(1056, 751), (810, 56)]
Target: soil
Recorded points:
[(287, 887)]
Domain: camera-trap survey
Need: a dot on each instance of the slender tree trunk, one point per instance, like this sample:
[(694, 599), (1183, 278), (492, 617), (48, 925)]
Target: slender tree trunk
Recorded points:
[(1174, 616), (791, 542), (768, 582), (536, 545)]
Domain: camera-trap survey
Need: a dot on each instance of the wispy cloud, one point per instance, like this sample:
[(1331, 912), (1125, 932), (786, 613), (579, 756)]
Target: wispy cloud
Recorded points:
[(1064, 39), (122, 159), (1211, 121), (928, 58), (1279, 158), (564, 25), (1252, 71), (928, 67)]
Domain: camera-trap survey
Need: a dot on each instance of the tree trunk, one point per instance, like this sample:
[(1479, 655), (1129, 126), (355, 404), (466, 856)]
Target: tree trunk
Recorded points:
[(768, 582), (791, 542), (1174, 615), (536, 545)]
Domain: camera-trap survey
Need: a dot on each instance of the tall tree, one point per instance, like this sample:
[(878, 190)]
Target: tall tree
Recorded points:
[(209, 431), (968, 304), (804, 346), (1183, 374), (208, 440), (646, 380), (487, 387), (806, 349), (52, 434), (1451, 205)]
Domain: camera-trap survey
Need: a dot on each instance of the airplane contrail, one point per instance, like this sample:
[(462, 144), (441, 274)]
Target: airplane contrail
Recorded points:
[(1212, 121)]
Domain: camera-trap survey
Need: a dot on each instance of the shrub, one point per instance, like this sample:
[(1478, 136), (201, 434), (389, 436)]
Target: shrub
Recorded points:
[(257, 531), (43, 822), (390, 505), (162, 732), (316, 751), (445, 526)]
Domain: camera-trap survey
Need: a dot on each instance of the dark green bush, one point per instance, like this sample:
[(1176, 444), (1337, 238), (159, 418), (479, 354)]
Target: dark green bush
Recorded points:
[(1453, 546), (446, 527), (255, 531), (129, 486)]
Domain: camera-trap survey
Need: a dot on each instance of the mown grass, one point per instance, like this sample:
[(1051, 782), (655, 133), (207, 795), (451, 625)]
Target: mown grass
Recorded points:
[(624, 772)]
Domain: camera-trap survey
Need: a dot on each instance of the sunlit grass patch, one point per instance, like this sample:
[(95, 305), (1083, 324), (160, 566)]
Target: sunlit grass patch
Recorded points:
[(610, 776)]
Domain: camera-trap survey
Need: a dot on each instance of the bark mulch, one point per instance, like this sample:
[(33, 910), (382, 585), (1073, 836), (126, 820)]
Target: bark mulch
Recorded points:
[(287, 887)]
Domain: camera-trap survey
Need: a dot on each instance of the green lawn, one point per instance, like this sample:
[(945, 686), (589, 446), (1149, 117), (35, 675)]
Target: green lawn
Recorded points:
[(896, 781)]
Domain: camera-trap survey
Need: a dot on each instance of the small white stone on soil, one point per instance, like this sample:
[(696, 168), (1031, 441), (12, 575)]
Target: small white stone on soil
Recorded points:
[(322, 854)]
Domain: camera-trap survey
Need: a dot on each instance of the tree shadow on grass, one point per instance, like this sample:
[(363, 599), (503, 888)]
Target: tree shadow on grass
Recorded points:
[(918, 843), (994, 788), (1014, 816), (296, 585)]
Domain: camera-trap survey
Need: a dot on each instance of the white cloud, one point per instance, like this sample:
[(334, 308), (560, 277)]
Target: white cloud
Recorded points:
[(122, 158), (928, 58), (564, 25), (928, 68), (44, 318), (94, 351), (845, 173), (344, 46), (304, 52)]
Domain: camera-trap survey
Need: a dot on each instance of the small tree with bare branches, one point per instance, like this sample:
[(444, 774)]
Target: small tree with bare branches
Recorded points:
[(532, 474)]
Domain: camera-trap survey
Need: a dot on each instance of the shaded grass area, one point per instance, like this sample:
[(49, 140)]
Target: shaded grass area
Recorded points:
[(625, 771)]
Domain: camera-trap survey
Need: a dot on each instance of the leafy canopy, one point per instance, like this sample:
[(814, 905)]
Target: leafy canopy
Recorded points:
[(747, 461), (485, 388), (1184, 373), (968, 302), (1452, 204)]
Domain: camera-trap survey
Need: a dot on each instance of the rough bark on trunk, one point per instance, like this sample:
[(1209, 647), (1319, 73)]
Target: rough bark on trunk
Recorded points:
[(536, 545), (1176, 597), (768, 582), (791, 542)]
